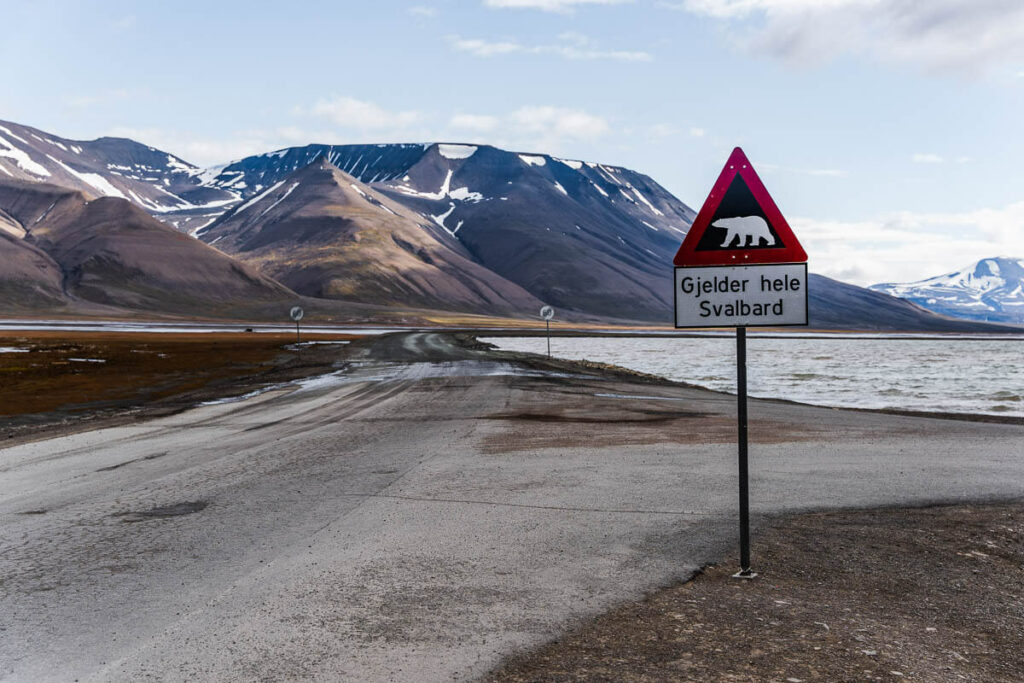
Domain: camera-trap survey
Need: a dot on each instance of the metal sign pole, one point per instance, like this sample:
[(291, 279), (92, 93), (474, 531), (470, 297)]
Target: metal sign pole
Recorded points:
[(547, 313), (741, 433), (296, 314)]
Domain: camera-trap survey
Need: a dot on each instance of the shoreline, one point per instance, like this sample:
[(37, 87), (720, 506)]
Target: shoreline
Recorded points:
[(995, 417), (514, 327), (322, 362)]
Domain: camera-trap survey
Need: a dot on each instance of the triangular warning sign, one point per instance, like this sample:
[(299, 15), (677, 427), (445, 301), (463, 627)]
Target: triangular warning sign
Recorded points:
[(739, 223)]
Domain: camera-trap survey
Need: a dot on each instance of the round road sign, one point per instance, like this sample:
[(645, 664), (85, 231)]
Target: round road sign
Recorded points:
[(296, 313), (547, 313)]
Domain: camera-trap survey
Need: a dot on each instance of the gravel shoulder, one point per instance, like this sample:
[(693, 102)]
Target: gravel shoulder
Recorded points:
[(926, 594)]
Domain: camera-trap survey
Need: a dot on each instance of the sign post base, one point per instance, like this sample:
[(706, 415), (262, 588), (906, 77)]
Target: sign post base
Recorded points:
[(745, 574)]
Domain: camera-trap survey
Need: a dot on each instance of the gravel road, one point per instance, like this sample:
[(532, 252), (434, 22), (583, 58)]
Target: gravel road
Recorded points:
[(417, 517)]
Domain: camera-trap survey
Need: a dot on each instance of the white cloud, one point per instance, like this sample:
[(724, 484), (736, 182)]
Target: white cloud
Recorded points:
[(203, 151), (558, 122), (543, 129), (125, 23), (906, 246), (198, 150), (422, 11), (662, 130), (964, 36), (927, 159), (348, 112), (343, 120), (484, 48), (570, 46), (475, 122), (560, 6)]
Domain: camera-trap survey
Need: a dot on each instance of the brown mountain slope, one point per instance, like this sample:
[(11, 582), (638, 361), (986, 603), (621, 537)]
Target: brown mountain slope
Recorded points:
[(110, 252), (30, 281), (325, 234)]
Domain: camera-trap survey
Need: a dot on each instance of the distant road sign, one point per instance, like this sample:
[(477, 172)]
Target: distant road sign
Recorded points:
[(296, 313), (739, 223), (547, 313), (767, 295)]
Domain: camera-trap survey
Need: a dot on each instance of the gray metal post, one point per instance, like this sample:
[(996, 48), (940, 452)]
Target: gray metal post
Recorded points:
[(741, 434), (547, 324)]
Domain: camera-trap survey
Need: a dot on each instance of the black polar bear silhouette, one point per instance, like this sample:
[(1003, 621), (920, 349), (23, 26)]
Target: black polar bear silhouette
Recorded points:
[(750, 230)]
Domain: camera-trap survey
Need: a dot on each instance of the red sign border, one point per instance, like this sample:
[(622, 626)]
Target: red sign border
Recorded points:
[(688, 254)]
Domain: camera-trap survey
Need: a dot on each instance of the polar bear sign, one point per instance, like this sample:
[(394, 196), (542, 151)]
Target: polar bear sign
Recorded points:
[(740, 266)]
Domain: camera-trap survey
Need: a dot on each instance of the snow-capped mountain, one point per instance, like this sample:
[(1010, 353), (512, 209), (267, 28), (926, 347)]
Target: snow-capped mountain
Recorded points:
[(63, 251), (323, 233), (159, 183), (991, 290), (581, 236), (377, 227)]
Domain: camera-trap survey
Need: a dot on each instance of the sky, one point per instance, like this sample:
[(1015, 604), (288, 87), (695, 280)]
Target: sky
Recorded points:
[(889, 132)]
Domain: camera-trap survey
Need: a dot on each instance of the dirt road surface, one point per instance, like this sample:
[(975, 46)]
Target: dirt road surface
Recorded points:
[(418, 516)]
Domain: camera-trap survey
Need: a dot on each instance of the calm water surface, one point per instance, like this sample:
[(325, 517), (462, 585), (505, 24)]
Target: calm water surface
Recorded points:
[(935, 375)]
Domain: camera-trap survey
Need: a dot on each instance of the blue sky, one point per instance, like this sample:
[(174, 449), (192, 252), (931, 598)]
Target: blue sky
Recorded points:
[(888, 131)]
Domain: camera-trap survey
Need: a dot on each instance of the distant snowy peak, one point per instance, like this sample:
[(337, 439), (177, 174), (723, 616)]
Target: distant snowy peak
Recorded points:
[(991, 290), (160, 183)]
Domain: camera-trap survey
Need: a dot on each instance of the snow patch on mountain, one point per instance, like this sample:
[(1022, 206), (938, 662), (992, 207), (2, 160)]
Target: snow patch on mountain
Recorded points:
[(449, 151), (95, 180), (462, 194), (280, 199), (441, 218), (532, 160), (20, 157), (644, 200), (258, 197)]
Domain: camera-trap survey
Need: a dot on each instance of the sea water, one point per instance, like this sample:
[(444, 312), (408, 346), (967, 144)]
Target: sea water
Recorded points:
[(960, 375)]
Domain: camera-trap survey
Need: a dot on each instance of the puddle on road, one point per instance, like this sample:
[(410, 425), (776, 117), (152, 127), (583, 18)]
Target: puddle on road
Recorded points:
[(377, 372), (165, 511), (355, 373)]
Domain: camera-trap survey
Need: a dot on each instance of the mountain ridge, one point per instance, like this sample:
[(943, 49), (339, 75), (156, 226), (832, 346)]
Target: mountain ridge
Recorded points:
[(109, 252), (989, 290), (452, 226), (325, 234)]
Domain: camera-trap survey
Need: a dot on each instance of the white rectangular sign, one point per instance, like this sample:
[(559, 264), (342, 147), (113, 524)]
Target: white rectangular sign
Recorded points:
[(765, 295)]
